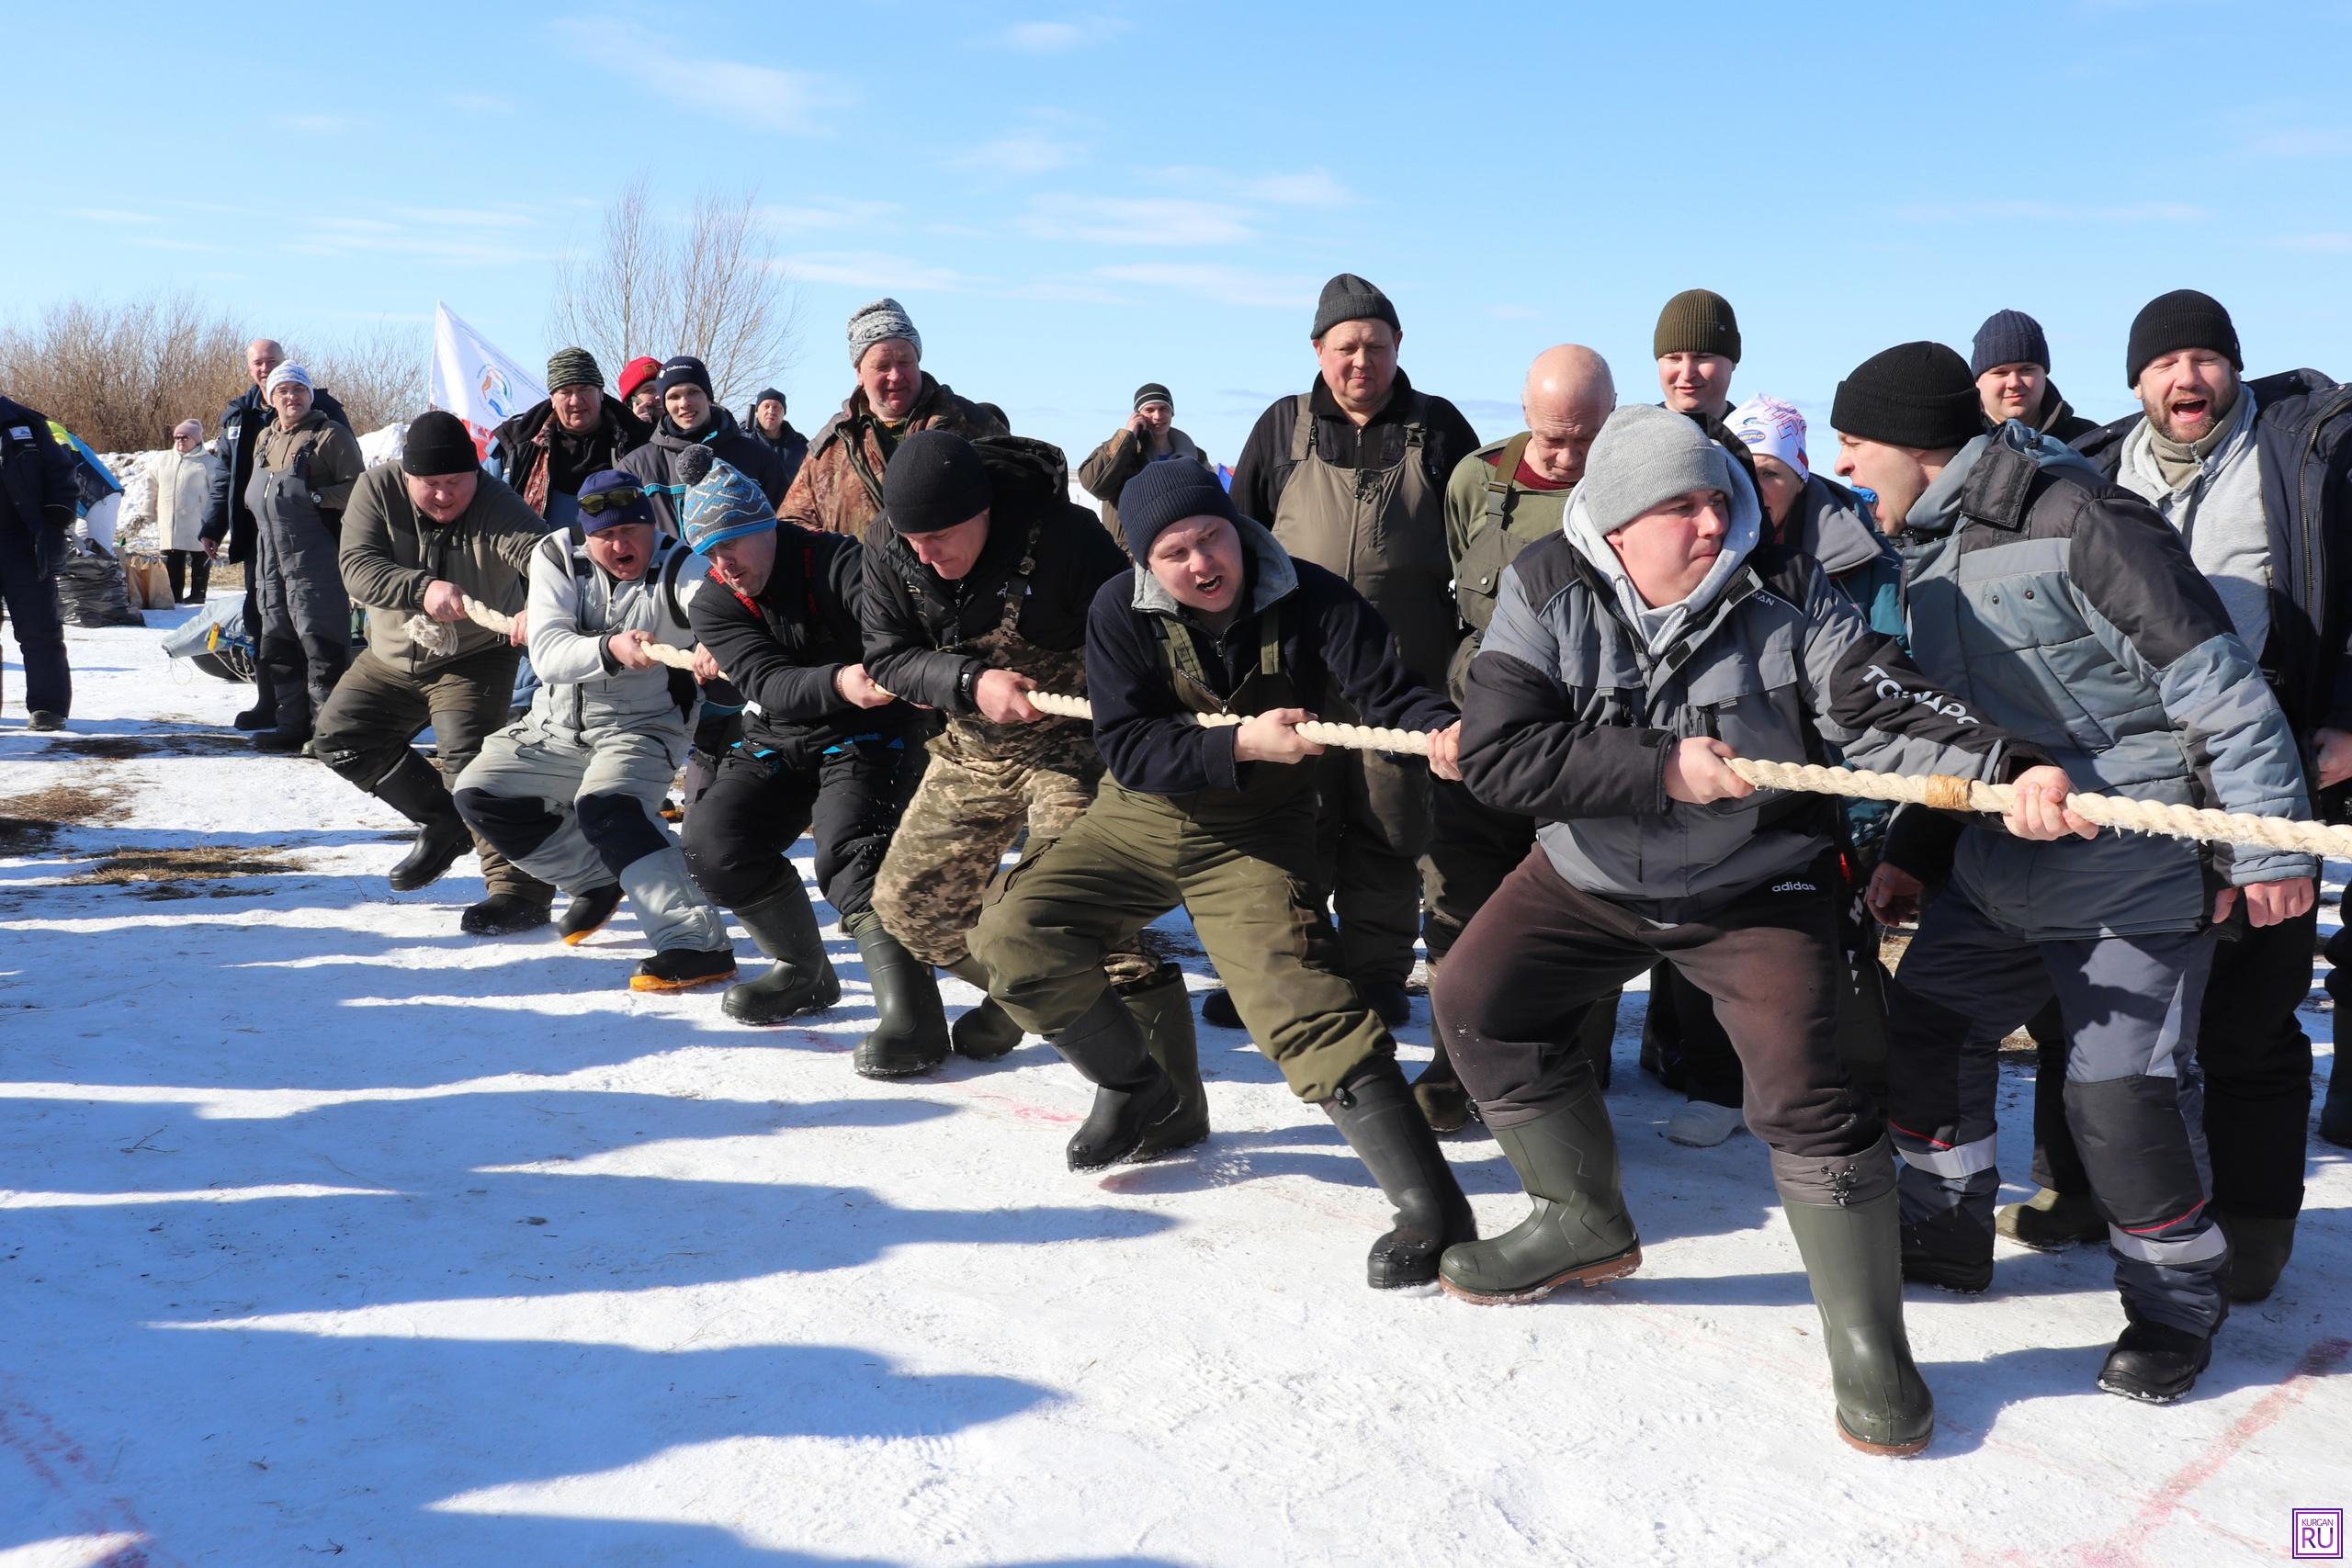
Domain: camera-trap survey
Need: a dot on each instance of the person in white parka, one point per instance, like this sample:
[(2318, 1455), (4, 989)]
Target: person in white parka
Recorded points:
[(183, 479)]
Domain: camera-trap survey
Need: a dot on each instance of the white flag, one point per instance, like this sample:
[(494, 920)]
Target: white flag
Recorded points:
[(473, 380)]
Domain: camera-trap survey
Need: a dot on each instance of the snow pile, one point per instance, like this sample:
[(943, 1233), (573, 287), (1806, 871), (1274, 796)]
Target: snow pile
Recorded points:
[(331, 1231)]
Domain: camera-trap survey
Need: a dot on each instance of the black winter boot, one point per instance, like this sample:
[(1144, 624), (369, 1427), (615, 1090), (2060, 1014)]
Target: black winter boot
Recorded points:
[(2335, 1110), (283, 740), (910, 1026), (684, 968), (1578, 1231), (1132, 1093), (2155, 1362), (413, 788), (587, 914), (2259, 1247), (1217, 1008), (503, 914), (1164, 1007), (784, 926), (986, 1031), (1853, 1259), (1374, 1111)]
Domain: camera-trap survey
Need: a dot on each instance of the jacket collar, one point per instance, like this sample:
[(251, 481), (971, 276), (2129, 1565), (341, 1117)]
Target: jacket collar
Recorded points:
[(1397, 410), (1272, 577)]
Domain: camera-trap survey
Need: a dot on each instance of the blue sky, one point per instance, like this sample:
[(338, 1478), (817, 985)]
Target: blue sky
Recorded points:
[(1070, 202)]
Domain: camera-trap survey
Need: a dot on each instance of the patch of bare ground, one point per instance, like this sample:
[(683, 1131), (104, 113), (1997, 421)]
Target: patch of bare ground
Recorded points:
[(30, 823), (168, 873), (129, 748)]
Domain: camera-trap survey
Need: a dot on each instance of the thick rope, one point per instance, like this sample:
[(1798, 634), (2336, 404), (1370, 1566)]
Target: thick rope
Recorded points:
[(502, 624), (1939, 790)]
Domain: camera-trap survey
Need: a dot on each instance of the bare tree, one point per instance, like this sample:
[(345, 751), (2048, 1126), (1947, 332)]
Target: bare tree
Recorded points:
[(378, 376), (707, 285), (120, 376)]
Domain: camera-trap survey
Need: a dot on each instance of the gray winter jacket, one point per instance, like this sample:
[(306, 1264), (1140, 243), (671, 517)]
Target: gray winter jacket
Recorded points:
[(2063, 609), (576, 606), (1571, 717)]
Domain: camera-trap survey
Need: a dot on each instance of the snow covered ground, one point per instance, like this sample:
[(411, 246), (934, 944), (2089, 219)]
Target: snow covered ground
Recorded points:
[(330, 1233)]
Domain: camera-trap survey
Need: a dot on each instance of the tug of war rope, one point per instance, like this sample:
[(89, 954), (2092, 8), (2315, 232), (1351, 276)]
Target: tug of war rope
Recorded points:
[(1940, 791)]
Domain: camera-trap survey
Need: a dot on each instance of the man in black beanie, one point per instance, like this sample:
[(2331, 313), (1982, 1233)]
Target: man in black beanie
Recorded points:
[(420, 537), (2057, 606), (1696, 345), (975, 594), (2256, 477), (1217, 618), (1150, 436), (690, 418), (1351, 476), (2010, 359)]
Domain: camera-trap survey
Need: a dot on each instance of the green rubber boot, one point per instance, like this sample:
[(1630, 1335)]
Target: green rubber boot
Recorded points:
[(1853, 1259), (1577, 1231), (2051, 1222)]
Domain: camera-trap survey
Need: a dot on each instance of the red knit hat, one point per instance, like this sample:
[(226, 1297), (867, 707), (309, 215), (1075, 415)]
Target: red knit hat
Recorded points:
[(636, 374)]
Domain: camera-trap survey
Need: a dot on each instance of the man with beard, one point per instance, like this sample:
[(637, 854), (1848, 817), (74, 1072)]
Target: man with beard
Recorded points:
[(2256, 477), (839, 486)]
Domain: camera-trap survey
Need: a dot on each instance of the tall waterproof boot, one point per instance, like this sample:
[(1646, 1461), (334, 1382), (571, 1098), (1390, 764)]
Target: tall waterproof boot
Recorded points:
[(986, 1031), (413, 788), (909, 1033), (1164, 1008), (1132, 1093), (783, 927), (2051, 1221), (1375, 1113), (1445, 1103), (2259, 1247), (1853, 1258), (1578, 1231)]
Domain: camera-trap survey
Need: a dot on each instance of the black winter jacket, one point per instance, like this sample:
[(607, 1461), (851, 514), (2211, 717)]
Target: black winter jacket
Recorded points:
[(36, 475), (2303, 427), (1333, 643), (514, 446), (656, 462), (782, 646), (226, 516), (913, 621)]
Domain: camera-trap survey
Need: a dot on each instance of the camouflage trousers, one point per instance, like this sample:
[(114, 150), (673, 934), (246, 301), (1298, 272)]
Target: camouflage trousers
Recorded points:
[(966, 812)]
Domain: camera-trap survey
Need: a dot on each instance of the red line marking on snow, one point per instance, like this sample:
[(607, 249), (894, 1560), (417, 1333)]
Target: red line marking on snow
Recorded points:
[(2122, 1548), (1022, 1110), (64, 1468)]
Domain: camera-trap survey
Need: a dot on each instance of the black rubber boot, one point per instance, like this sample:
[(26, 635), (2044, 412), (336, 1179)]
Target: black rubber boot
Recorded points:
[(1217, 1008), (283, 740), (1853, 1260), (986, 1031), (2335, 1110), (1164, 1008), (1578, 1231), (587, 914), (783, 927), (1952, 1251), (2259, 1247), (910, 1026), (1374, 1111), (1132, 1093), (413, 788), (2155, 1362), (503, 914)]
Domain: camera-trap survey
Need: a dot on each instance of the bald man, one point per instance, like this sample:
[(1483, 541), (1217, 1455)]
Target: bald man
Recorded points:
[(226, 516), (1500, 498)]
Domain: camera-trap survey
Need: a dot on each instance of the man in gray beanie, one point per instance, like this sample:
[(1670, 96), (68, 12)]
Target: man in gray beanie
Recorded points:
[(837, 488), (1629, 659), (1351, 476)]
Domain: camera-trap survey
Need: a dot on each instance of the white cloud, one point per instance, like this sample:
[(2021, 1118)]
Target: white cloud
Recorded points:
[(2302, 144), (1315, 187), (765, 97), (1023, 153), (158, 243), (2052, 212), (2321, 245), (1212, 280), (872, 269), (1135, 220), (467, 217), (111, 215), (1060, 38), (830, 215), (321, 124), (481, 103)]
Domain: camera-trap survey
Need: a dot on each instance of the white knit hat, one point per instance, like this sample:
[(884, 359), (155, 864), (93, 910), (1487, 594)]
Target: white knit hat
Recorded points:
[(287, 371)]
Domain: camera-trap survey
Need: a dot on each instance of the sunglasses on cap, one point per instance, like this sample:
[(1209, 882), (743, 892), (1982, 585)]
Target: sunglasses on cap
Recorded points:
[(613, 499)]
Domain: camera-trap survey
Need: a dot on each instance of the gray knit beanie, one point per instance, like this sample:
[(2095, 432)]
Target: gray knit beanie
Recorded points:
[(1645, 455), (870, 324), (1347, 297)]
